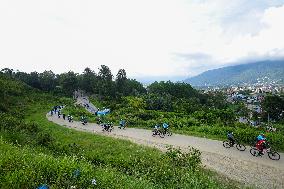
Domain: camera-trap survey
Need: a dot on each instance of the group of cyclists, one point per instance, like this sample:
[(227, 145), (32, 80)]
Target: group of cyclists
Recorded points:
[(162, 131), (57, 110), (108, 126), (260, 142)]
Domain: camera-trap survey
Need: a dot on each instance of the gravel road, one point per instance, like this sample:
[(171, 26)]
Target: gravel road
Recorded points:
[(258, 172)]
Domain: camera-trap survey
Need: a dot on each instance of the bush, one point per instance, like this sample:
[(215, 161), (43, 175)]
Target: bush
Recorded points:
[(190, 160)]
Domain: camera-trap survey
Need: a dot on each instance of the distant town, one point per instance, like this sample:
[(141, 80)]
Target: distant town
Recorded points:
[(251, 95)]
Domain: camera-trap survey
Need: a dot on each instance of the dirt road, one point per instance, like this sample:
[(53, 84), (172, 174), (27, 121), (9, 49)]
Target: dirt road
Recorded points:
[(260, 172)]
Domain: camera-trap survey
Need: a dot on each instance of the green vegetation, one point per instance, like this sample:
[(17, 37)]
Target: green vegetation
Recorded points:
[(35, 151)]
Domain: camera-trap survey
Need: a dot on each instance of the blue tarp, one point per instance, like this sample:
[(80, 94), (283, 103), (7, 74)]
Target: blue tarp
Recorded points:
[(103, 112)]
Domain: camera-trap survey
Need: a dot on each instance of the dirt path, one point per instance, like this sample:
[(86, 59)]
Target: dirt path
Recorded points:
[(260, 172)]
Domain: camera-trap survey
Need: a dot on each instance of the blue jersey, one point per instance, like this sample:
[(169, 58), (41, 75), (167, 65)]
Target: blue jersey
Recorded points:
[(260, 137), (165, 126)]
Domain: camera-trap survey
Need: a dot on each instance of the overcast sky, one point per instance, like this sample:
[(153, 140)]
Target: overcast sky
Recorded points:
[(164, 38)]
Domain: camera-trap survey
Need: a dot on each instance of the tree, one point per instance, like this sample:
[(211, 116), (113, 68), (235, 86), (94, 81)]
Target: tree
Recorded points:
[(134, 87), (34, 80), (106, 85), (22, 76), (178, 90), (47, 80), (88, 80), (121, 81), (274, 106), (7, 71), (69, 82)]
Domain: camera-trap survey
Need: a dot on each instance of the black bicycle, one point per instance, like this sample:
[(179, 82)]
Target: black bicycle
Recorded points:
[(229, 144), (156, 132), (107, 127), (167, 132)]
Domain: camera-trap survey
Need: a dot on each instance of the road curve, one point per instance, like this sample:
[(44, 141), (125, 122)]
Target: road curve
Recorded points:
[(259, 172)]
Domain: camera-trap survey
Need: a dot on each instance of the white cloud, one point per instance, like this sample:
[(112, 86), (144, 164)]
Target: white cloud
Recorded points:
[(144, 37)]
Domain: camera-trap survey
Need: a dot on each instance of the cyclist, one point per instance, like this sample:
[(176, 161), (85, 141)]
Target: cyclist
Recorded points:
[(156, 129), (121, 123), (84, 119), (165, 127), (261, 143), (231, 138)]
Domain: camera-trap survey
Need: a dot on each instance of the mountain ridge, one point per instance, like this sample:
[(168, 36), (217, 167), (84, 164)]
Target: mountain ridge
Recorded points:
[(249, 73)]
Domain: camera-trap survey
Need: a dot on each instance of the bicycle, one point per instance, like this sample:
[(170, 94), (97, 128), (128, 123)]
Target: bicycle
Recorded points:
[(229, 144), (122, 125), (167, 132), (156, 132), (272, 154), (107, 127)]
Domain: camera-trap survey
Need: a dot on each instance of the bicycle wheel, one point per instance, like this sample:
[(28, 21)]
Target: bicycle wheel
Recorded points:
[(254, 151), (226, 144), (162, 135), (273, 155), (241, 147)]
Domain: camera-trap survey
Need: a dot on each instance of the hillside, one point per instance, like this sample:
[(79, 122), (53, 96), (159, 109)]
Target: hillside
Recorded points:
[(241, 74), (37, 152)]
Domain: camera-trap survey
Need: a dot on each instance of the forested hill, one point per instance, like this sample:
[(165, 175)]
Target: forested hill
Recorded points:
[(240, 74)]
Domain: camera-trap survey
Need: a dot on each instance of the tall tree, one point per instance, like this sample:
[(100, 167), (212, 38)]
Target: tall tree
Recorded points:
[(106, 85), (88, 80), (47, 80), (34, 80), (69, 82), (121, 81)]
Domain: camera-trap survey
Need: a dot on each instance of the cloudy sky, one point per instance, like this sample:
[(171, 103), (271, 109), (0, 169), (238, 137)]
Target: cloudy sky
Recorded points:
[(148, 38)]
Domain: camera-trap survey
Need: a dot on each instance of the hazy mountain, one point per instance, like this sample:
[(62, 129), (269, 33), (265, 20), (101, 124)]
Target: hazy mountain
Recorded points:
[(263, 71)]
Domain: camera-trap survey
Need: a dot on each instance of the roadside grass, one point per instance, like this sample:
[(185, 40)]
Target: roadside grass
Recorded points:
[(23, 167)]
